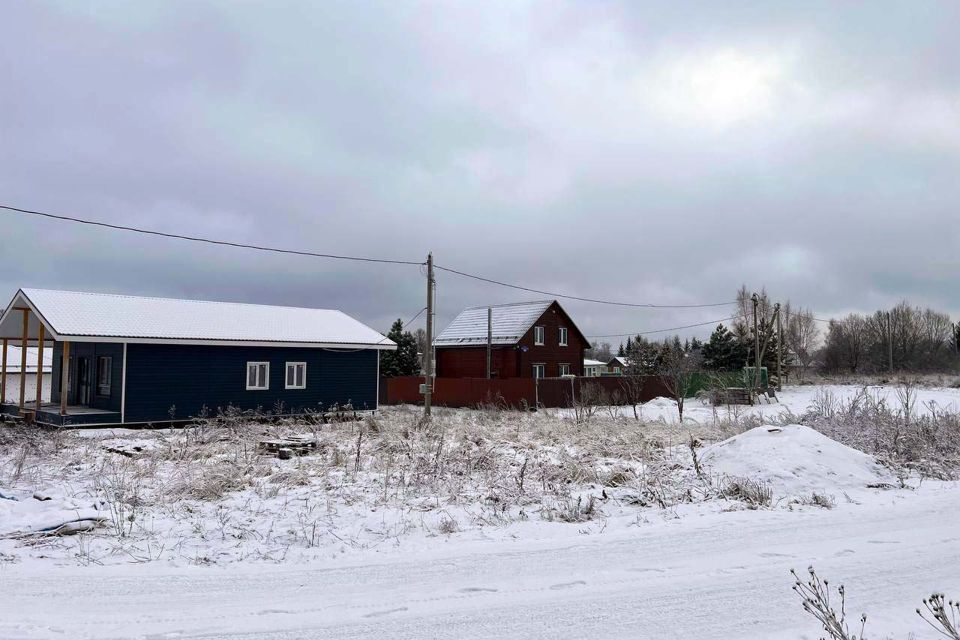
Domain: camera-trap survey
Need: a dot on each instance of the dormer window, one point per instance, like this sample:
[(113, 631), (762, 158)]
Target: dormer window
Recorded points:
[(538, 335)]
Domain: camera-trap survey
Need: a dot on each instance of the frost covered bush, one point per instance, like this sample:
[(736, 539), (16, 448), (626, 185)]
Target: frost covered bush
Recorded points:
[(753, 493), (894, 431)]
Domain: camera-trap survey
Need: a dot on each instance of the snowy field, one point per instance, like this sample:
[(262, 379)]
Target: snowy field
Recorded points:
[(489, 524)]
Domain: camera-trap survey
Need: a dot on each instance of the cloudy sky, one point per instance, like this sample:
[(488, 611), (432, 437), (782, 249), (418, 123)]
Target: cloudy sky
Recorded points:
[(662, 152)]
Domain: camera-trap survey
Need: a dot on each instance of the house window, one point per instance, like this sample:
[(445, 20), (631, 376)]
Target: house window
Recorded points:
[(539, 370), (538, 336), (563, 336), (296, 377), (104, 375), (564, 369), (258, 376)]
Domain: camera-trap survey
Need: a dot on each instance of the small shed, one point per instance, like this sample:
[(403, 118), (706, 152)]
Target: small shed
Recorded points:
[(119, 359)]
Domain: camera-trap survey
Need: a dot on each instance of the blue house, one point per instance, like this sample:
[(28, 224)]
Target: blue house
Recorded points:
[(121, 359)]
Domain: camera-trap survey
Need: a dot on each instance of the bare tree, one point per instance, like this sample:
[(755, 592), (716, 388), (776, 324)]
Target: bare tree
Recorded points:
[(678, 374), (599, 351), (847, 345), (632, 386), (801, 336)]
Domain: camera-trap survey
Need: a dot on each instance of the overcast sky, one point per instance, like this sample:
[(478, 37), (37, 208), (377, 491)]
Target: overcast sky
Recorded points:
[(663, 152)]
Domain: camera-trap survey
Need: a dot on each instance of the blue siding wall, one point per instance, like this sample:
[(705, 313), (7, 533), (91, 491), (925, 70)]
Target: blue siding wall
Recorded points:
[(189, 377), (91, 350)]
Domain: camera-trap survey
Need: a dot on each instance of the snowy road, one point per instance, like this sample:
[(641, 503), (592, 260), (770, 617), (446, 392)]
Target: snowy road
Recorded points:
[(719, 575)]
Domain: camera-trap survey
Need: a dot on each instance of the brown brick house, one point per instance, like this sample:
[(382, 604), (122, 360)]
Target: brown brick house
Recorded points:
[(530, 339)]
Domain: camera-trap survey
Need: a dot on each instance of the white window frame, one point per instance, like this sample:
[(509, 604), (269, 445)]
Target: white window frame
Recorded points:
[(563, 336), (539, 333), (286, 375), (561, 367), (543, 370), (263, 384)]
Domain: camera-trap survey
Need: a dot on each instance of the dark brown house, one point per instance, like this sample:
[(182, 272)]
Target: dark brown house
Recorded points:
[(530, 339)]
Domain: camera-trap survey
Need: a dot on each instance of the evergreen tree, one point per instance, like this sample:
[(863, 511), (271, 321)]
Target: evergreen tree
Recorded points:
[(621, 352), (403, 361), (724, 351), (643, 357)]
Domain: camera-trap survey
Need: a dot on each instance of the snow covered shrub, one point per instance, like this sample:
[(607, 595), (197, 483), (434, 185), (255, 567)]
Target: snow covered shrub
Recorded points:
[(928, 443), (118, 484), (816, 499), (572, 510), (753, 493)]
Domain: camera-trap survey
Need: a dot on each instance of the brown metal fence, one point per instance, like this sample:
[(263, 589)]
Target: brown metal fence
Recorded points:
[(523, 392)]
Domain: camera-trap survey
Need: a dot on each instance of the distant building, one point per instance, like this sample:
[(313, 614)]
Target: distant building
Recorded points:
[(593, 368), (529, 340), (11, 388), (618, 365)]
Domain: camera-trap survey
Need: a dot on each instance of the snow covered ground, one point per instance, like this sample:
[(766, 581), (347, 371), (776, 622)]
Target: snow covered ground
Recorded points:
[(502, 525)]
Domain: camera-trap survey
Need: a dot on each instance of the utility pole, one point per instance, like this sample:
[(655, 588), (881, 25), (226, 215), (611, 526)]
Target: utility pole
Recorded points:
[(489, 342), (756, 344), (428, 355), (890, 340), (779, 349)]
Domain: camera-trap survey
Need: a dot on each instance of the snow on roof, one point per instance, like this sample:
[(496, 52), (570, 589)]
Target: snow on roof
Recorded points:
[(123, 318), (14, 354), (587, 362), (510, 322)]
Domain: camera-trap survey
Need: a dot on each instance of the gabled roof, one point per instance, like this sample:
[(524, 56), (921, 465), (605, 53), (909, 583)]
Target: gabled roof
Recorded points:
[(13, 359), (510, 323), (99, 317)]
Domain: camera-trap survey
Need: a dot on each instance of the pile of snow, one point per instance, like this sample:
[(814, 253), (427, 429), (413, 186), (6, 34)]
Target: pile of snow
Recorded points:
[(795, 461), (26, 513)]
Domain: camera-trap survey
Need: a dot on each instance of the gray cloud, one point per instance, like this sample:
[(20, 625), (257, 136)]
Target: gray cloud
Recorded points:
[(651, 152)]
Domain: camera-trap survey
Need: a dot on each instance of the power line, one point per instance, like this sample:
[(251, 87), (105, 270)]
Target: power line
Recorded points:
[(643, 333), (553, 294), (313, 254), (381, 340), (224, 243)]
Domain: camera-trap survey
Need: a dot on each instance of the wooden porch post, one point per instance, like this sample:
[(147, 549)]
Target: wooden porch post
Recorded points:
[(40, 367), (23, 357), (3, 374), (64, 378)]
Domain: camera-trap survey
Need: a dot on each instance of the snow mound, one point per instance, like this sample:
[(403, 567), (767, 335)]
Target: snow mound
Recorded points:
[(660, 401), (795, 461)]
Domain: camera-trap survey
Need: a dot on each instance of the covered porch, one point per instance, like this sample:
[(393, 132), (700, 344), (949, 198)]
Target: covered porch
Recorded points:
[(73, 399), (52, 414)]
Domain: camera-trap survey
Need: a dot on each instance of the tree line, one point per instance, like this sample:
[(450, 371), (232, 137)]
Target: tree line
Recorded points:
[(904, 338)]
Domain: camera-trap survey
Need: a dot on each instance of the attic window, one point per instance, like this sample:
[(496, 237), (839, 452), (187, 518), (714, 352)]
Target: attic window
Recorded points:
[(538, 336), (563, 336)]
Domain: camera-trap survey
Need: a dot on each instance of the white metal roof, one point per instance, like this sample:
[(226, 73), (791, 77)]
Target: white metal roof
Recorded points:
[(13, 359), (510, 322), (76, 316)]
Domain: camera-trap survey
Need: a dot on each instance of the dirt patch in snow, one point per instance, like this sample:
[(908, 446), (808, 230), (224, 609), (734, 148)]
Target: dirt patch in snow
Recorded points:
[(795, 461)]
